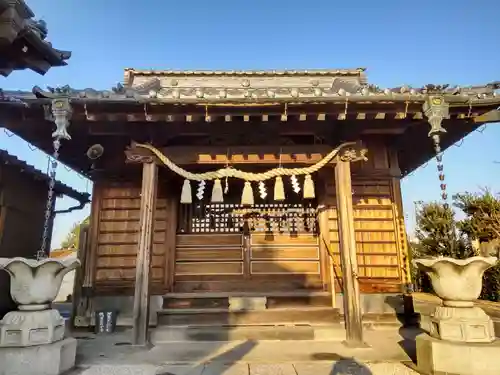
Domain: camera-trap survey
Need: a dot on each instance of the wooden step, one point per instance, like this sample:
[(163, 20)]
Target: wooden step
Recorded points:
[(245, 294), (221, 300)]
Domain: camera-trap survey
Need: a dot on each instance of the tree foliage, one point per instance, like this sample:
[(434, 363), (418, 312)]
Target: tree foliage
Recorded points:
[(439, 234), (482, 212), (71, 239)]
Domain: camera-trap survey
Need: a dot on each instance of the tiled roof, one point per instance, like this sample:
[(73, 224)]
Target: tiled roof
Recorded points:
[(23, 167), (268, 73), (25, 31), (154, 90)]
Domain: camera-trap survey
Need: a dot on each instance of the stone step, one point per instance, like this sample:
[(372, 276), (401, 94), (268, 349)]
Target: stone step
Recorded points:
[(260, 332), (225, 317), (276, 316)]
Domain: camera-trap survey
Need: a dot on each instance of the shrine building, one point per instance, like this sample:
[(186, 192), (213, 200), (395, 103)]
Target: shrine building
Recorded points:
[(247, 197)]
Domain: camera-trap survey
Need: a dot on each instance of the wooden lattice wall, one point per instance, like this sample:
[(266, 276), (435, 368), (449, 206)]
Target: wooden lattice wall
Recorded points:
[(117, 234), (378, 221), (380, 265)]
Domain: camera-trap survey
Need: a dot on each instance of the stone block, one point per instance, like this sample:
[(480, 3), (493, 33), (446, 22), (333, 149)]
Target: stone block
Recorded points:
[(49, 359), (439, 357), (247, 303), (26, 328), (461, 325)]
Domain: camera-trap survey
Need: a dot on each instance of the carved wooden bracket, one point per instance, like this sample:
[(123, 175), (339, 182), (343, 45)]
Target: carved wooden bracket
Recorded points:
[(354, 154)]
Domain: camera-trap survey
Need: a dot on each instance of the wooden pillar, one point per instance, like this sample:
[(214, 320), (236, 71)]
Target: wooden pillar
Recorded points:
[(351, 295), (143, 263)]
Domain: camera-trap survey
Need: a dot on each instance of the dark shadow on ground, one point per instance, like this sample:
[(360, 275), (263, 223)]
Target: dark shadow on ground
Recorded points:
[(349, 366), (224, 361), (410, 323), (343, 365)]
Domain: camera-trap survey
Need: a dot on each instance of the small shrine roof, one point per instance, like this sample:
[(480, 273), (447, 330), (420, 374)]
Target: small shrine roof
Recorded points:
[(250, 73), (23, 167), (23, 41)]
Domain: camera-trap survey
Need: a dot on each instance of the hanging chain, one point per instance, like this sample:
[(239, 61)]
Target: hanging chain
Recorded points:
[(436, 139), (436, 110), (42, 252)]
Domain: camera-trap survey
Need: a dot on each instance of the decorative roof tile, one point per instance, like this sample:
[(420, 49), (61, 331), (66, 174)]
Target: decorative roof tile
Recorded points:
[(217, 87)]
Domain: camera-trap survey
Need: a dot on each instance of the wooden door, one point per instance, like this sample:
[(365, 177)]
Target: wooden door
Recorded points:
[(265, 247), (285, 261)]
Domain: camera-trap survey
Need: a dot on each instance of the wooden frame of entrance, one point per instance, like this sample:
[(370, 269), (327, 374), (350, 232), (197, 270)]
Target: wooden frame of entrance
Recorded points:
[(351, 293)]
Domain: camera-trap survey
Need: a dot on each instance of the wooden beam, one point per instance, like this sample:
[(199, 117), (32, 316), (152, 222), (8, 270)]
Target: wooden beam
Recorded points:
[(492, 116), (143, 263), (209, 155), (327, 270), (351, 293), (81, 303)]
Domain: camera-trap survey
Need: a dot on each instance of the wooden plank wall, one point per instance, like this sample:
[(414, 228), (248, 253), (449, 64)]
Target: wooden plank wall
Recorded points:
[(379, 226), (23, 202), (117, 236)]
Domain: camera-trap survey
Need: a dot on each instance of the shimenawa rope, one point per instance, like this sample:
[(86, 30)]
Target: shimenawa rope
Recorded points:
[(236, 173)]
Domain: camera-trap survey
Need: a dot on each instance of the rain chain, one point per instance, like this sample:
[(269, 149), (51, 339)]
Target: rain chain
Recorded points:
[(436, 139), (436, 110), (61, 110), (42, 252)]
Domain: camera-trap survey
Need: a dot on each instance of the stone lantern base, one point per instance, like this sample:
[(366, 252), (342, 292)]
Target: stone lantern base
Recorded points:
[(27, 328), (50, 359), (439, 357), (467, 324)]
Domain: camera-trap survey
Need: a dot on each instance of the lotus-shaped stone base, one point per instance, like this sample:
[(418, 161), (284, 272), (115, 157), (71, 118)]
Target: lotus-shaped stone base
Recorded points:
[(28, 328), (461, 325), (35, 284), (458, 282)]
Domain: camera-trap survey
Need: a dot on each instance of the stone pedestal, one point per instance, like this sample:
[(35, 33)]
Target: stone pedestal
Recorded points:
[(32, 338), (439, 357), (247, 303), (467, 324), (50, 359), (28, 328)]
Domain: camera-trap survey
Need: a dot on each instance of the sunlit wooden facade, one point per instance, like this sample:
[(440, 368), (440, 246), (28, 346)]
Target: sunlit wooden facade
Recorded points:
[(253, 121)]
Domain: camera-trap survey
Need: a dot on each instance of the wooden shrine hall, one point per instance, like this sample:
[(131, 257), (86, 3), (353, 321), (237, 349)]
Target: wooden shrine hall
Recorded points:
[(248, 197)]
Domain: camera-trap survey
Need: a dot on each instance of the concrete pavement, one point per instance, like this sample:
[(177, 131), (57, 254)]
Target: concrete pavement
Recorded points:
[(342, 367), (389, 352)]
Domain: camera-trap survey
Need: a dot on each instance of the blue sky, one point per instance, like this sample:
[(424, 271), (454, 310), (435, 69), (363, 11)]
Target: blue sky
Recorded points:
[(399, 42)]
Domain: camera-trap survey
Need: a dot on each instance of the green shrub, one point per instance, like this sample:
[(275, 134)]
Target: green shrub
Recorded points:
[(438, 234)]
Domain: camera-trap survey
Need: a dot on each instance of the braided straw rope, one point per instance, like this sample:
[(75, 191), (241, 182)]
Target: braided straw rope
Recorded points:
[(247, 176)]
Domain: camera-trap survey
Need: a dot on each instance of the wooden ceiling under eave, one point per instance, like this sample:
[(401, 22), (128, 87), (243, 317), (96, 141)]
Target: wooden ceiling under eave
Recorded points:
[(115, 125)]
